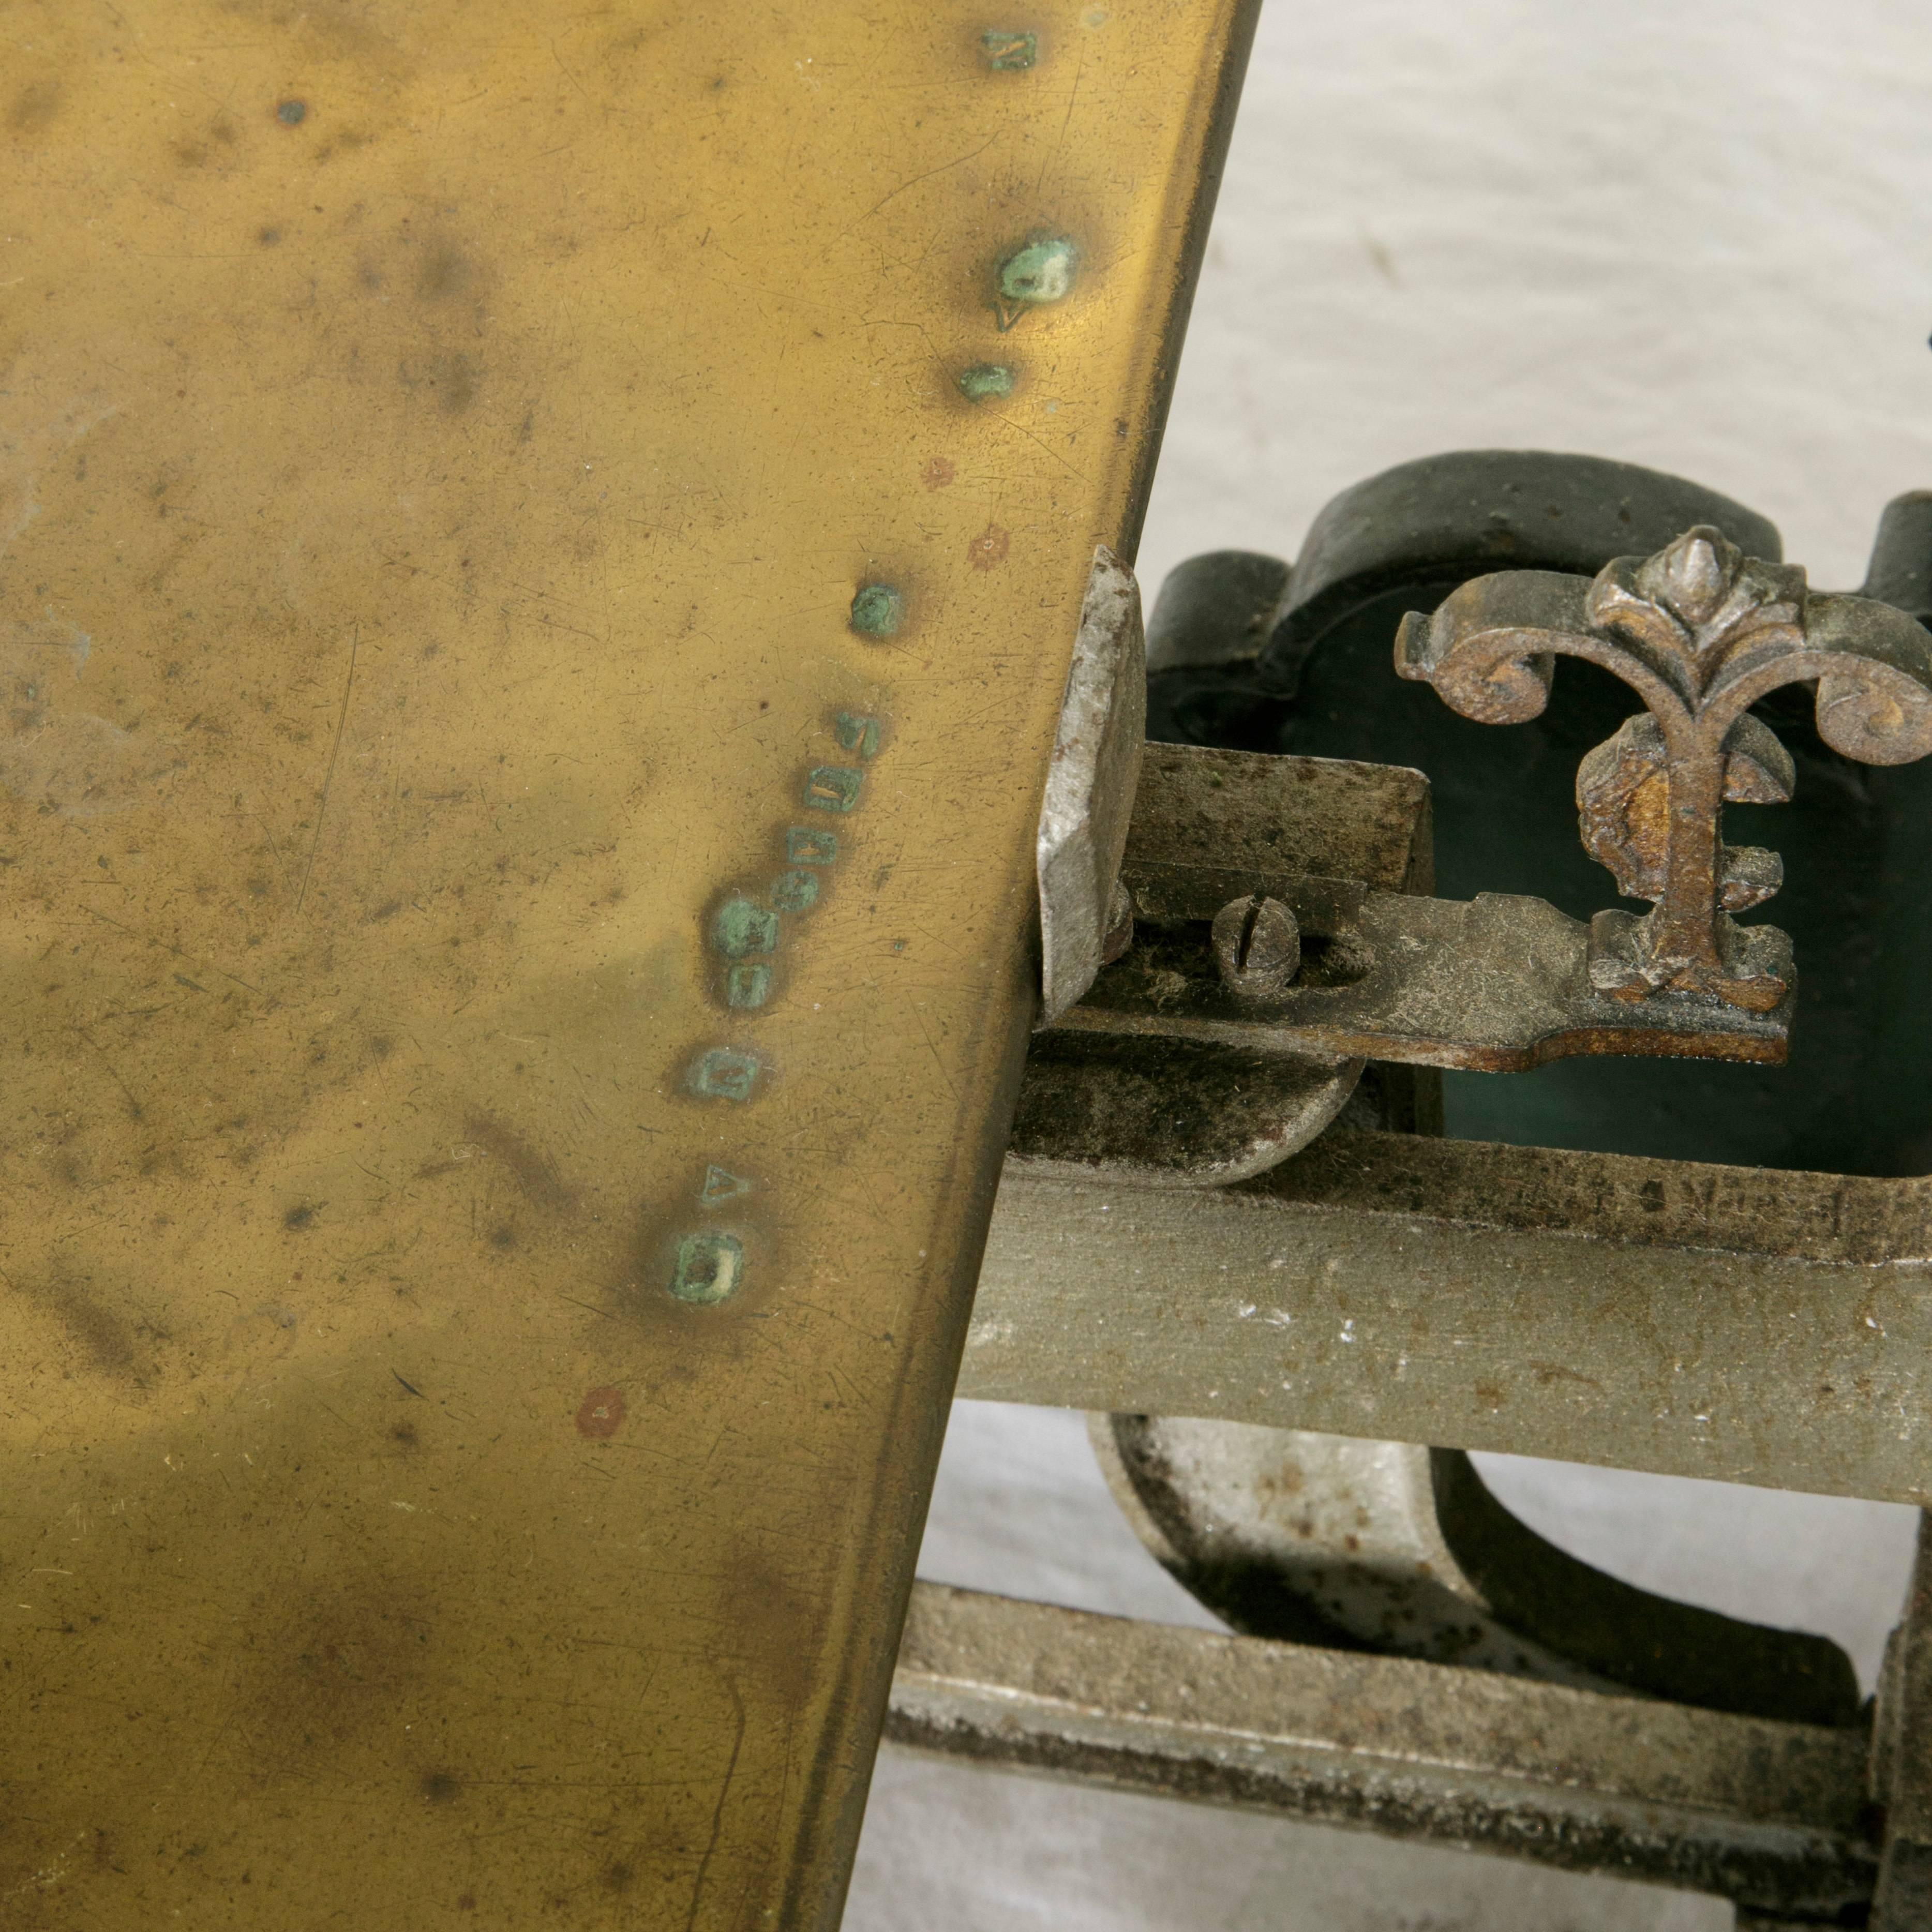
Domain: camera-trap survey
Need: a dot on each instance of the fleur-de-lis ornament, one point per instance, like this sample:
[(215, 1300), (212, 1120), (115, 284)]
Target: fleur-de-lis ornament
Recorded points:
[(1701, 632)]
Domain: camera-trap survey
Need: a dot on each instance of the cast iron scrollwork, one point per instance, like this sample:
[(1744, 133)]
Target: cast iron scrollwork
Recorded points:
[(1700, 632)]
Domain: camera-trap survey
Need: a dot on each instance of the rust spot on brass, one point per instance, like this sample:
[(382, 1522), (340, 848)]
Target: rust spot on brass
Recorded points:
[(989, 547), (600, 1414)]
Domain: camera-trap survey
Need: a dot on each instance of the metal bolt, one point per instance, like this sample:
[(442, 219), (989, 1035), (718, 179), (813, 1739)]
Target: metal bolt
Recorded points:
[(1258, 947)]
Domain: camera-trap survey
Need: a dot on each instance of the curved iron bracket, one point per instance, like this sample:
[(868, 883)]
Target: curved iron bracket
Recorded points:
[(1390, 1547)]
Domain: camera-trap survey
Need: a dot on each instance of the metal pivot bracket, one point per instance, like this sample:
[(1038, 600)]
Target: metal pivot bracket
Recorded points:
[(1303, 963), (1497, 984), (1169, 1109), (1266, 1321)]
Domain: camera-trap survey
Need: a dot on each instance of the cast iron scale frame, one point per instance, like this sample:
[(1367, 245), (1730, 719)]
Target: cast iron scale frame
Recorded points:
[(1448, 1675)]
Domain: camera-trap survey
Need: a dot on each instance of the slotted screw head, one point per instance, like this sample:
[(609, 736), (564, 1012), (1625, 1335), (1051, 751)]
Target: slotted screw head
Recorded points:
[(1258, 947)]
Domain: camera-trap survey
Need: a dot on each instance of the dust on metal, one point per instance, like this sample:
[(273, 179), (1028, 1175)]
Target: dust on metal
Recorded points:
[(1742, 1325), (1312, 1537), (1167, 1113), (1771, 1815), (1902, 1758), (1497, 984)]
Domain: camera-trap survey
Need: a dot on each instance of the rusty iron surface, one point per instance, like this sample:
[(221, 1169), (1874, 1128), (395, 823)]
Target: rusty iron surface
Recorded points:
[(1701, 633), (1256, 942), (1774, 1816), (1380, 1546), (542, 548)]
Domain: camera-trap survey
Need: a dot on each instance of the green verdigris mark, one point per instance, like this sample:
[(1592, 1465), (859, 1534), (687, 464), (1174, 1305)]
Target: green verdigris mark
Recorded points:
[(877, 610), (1009, 53), (742, 929), (986, 381), (708, 1269), (748, 984), (805, 846), (795, 891), (722, 1184), (857, 734), (1040, 272), (723, 1073), (833, 787)]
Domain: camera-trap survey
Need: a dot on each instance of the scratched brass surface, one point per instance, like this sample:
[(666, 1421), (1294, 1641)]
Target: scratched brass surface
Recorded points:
[(442, 444)]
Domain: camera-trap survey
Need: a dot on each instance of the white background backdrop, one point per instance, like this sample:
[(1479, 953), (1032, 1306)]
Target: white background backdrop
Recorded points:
[(1699, 238)]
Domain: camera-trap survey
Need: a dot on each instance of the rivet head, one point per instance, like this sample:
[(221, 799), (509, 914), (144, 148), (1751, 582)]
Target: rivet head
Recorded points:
[(1257, 947), (1007, 51), (741, 930), (709, 1268), (987, 381), (877, 610), (1042, 271)]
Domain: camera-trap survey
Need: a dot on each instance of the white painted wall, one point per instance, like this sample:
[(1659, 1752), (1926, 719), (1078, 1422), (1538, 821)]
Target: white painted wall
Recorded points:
[(1697, 237), (1693, 236)]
